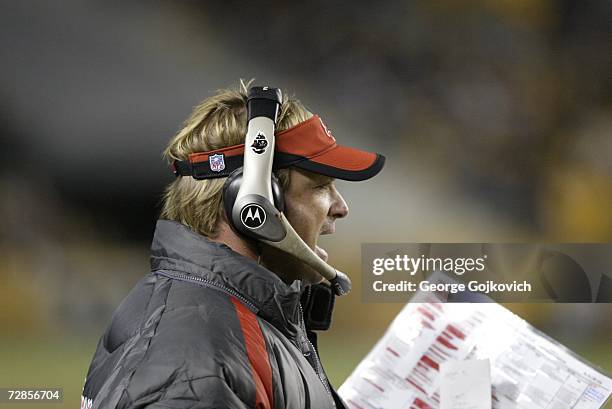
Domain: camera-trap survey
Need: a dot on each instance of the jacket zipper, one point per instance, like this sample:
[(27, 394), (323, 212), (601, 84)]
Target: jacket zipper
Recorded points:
[(311, 350), (208, 283)]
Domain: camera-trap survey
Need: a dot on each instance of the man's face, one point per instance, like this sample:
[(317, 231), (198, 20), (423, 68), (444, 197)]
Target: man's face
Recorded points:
[(312, 205)]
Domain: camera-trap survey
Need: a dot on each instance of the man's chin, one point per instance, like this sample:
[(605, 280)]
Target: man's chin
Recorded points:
[(320, 251)]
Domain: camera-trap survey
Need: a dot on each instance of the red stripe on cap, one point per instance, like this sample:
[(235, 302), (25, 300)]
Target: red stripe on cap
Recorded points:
[(233, 150), (347, 158), (258, 356)]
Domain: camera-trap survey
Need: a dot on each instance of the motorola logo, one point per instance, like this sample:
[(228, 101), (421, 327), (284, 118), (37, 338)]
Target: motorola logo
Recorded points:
[(253, 216)]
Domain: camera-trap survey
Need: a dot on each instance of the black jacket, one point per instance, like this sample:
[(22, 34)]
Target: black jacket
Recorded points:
[(209, 328)]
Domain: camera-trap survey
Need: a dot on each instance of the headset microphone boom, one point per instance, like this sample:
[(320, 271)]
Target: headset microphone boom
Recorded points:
[(253, 198)]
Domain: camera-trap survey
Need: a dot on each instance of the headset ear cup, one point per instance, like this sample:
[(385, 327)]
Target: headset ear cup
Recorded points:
[(232, 186), (230, 192)]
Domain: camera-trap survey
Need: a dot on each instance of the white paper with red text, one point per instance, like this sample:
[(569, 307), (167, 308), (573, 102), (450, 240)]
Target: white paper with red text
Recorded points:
[(528, 369)]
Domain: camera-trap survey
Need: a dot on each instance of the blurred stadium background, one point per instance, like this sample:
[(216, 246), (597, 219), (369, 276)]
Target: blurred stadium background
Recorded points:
[(495, 117)]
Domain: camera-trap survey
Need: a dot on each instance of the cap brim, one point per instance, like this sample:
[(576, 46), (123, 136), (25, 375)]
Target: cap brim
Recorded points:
[(343, 162)]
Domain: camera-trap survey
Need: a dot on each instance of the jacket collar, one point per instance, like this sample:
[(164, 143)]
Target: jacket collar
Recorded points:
[(177, 248)]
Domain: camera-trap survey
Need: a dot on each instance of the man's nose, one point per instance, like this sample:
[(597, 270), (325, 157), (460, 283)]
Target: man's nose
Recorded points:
[(339, 208)]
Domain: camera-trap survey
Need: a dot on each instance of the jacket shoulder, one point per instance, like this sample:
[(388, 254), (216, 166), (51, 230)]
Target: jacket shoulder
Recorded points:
[(129, 315), (198, 336), (123, 342), (168, 332)]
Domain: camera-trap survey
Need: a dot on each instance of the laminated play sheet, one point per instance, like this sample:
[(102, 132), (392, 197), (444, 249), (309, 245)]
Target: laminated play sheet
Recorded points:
[(527, 369)]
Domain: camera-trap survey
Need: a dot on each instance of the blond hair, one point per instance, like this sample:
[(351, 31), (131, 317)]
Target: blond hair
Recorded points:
[(216, 122)]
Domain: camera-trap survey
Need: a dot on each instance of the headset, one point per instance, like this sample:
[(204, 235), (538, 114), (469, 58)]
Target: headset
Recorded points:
[(252, 196)]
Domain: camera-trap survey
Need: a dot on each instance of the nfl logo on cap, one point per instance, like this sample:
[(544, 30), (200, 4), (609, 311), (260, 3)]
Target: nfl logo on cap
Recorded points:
[(217, 162)]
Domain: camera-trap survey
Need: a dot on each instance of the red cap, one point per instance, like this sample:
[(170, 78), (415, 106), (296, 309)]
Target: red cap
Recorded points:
[(308, 145)]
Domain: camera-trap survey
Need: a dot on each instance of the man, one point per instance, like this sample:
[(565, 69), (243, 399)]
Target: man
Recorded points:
[(223, 321)]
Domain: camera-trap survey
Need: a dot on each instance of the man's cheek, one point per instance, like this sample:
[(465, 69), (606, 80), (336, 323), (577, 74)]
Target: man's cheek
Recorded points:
[(303, 228)]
